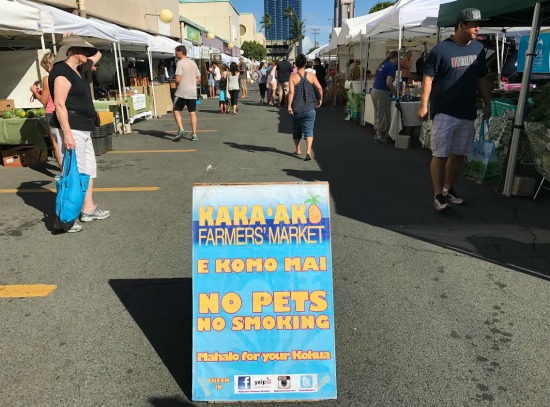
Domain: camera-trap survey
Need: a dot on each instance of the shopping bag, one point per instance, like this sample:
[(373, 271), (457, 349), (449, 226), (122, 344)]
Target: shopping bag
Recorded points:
[(483, 165), (71, 190)]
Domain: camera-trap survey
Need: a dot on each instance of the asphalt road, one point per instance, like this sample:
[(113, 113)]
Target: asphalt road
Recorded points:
[(430, 310)]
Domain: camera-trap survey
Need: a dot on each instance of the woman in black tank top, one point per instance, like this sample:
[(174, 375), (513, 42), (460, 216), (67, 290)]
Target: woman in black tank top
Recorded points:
[(74, 117), (303, 100)]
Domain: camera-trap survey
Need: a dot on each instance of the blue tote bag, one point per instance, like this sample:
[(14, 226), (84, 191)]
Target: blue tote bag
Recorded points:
[(483, 164), (71, 190)]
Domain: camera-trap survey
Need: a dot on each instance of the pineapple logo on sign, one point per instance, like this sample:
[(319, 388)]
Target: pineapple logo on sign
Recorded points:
[(314, 214)]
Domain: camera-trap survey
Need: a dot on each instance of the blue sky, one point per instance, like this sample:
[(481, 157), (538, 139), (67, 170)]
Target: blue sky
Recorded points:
[(316, 14)]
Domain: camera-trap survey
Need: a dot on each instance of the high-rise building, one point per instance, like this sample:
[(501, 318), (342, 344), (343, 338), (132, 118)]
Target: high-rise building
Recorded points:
[(343, 9), (281, 25)]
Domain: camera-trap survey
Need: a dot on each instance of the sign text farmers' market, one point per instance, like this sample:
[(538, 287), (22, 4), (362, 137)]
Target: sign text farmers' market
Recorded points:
[(243, 225)]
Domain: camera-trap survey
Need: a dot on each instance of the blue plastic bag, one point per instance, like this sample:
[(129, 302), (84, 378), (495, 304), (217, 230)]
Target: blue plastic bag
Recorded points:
[(71, 190)]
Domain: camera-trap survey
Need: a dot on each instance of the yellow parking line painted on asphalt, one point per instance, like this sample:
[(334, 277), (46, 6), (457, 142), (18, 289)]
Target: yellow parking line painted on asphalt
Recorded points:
[(47, 190), (198, 118), (150, 151), (127, 189), (26, 191), (26, 290), (198, 131)]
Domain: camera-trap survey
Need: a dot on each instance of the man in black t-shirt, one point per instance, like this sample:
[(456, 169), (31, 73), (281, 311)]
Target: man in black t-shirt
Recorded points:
[(420, 67), (284, 70), (321, 73), (454, 72)]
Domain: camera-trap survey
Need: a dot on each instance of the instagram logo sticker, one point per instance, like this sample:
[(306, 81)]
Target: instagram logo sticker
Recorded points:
[(283, 382)]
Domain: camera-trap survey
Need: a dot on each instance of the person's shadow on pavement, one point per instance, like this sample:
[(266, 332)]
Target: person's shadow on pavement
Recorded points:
[(35, 194)]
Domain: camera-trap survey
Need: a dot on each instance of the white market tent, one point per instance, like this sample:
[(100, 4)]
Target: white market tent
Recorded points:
[(333, 44), (104, 34), (353, 27), (312, 55), (406, 14), (63, 22), (22, 29), (20, 18)]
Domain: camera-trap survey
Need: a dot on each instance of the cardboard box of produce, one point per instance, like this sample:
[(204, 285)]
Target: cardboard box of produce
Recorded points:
[(7, 104), (22, 156)]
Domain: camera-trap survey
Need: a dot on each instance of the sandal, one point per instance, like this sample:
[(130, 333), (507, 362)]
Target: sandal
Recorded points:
[(308, 157)]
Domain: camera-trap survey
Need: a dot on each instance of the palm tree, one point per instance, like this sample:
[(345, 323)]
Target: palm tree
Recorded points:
[(297, 31), (289, 13), (267, 23)]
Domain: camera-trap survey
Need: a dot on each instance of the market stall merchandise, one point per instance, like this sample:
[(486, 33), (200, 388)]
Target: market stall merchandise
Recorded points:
[(17, 131)]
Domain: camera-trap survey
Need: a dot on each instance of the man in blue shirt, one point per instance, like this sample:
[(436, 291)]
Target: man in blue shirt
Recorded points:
[(380, 94), (453, 73)]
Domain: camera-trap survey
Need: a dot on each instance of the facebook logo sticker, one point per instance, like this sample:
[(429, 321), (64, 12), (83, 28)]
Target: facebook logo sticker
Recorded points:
[(244, 382)]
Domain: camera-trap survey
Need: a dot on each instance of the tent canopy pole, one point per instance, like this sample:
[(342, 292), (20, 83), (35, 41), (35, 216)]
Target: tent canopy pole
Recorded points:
[(150, 57), (522, 101), (398, 87), (118, 73), (499, 68)]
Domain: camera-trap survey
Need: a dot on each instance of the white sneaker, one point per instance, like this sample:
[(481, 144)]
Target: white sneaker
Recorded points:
[(96, 214), (451, 197), (61, 227)]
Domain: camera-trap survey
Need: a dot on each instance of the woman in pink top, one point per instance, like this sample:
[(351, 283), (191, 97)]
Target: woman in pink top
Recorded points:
[(43, 95)]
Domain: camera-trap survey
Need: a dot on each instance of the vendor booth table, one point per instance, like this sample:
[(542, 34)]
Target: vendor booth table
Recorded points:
[(136, 107), (16, 131), (407, 117), (139, 107)]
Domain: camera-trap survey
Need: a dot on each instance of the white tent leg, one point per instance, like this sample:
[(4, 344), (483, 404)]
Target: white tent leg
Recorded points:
[(53, 44), (503, 45), (122, 74), (399, 62), (42, 42), (518, 121), (499, 68), (150, 57), (368, 55), (118, 74)]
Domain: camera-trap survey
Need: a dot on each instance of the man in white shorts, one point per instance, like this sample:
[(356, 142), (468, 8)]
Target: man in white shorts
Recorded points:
[(454, 72), (187, 77)]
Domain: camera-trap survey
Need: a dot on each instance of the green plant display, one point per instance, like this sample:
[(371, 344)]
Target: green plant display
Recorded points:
[(541, 107)]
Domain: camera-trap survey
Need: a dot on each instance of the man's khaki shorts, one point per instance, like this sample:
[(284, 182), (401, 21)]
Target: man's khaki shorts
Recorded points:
[(283, 87)]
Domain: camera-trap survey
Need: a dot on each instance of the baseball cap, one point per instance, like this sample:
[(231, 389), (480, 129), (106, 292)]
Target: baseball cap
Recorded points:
[(73, 41), (470, 15)]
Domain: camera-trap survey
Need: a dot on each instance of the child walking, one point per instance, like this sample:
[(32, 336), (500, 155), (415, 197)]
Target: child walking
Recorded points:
[(223, 92)]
